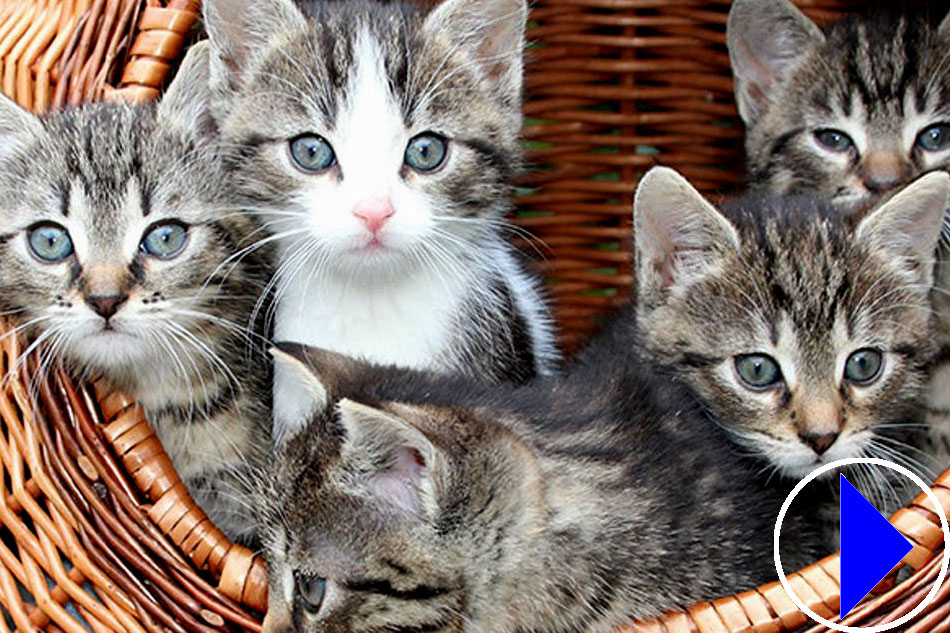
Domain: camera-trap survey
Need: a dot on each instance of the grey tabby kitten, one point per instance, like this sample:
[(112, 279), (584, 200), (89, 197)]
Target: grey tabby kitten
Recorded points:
[(806, 333), (851, 112), (114, 231), (413, 502), (379, 143)]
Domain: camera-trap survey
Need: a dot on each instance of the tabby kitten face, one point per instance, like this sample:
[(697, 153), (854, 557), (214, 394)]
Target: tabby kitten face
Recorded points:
[(382, 134), (113, 231), (805, 335), (851, 112)]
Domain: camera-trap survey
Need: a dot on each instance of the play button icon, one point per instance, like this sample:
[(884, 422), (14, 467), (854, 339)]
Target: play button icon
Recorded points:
[(870, 546)]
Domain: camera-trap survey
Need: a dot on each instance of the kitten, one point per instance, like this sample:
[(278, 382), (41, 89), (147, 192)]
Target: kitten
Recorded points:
[(379, 143), (852, 112), (418, 502), (807, 334), (114, 231)]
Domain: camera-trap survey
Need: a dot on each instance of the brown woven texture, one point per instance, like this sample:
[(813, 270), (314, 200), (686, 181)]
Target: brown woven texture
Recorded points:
[(96, 525), (613, 88), (58, 52), (95, 516)]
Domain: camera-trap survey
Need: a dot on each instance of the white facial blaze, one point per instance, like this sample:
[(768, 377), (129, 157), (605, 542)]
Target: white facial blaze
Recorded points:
[(369, 140), (397, 291), (372, 303)]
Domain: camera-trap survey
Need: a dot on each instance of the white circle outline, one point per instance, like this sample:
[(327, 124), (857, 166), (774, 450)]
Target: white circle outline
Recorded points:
[(943, 525)]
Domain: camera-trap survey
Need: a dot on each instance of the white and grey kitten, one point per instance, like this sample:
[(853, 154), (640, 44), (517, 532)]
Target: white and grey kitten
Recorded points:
[(379, 143), (851, 112), (113, 232)]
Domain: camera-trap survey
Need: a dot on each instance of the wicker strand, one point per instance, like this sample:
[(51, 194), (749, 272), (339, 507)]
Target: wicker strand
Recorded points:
[(98, 531)]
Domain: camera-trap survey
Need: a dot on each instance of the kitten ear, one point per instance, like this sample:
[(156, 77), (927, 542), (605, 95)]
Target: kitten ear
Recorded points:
[(239, 29), (495, 31), (17, 126), (401, 462), (908, 226), (185, 102), (766, 38), (678, 235), (299, 391)]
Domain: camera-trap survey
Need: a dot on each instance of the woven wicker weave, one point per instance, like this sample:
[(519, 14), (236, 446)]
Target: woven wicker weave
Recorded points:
[(86, 481), (95, 523), (615, 87), (68, 51)]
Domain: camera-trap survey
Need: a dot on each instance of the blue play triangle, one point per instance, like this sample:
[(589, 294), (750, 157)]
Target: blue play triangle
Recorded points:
[(870, 547)]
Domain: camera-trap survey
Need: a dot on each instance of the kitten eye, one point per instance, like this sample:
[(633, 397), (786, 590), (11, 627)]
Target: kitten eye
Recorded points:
[(935, 137), (312, 153), (863, 366), (165, 240), (311, 591), (425, 152), (50, 242), (835, 140), (758, 371)]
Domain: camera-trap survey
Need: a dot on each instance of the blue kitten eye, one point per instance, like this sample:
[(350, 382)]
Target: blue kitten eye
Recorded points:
[(935, 138), (863, 366), (425, 152), (312, 153), (50, 242), (758, 371), (165, 240), (835, 140), (310, 591)]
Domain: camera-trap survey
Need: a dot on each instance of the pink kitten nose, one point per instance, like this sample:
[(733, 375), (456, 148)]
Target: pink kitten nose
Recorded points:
[(374, 213)]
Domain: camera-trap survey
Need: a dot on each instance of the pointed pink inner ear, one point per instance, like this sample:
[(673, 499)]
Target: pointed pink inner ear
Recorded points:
[(400, 483)]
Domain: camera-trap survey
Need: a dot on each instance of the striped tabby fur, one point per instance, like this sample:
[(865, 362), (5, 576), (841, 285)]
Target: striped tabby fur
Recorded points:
[(413, 502), (176, 339), (850, 112), (789, 281)]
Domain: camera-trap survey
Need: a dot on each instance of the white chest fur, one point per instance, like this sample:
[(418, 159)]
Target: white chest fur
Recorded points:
[(402, 321), (408, 321)]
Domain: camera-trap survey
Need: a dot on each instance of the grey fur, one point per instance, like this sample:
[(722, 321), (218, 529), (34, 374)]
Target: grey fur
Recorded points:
[(572, 504), (791, 278), (883, 78), (279, 72), (180, 344)]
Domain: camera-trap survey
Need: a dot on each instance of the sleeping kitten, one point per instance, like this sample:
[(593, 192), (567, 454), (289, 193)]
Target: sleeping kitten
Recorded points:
[(418, 503), (851, 112), (379, 144), (113, 231), (805, 333)]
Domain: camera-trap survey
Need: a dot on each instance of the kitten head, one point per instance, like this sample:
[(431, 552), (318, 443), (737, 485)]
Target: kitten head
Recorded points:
[(383, 514), (805, 332), (851, 112), (112, 230), (379, 136)]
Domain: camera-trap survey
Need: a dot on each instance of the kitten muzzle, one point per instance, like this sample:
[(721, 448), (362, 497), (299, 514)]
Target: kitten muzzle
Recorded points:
[(106, 305), (882, 171)]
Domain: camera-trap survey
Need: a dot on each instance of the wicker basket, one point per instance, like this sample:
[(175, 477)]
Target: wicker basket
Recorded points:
[(97, 530)]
